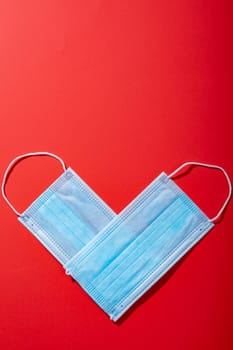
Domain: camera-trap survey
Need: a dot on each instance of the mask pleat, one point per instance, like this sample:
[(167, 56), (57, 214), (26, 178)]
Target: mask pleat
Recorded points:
[(67, 216), (138, 246)]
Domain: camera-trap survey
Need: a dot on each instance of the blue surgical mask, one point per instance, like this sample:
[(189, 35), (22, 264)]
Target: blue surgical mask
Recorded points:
[(66, 216), (141, 244)]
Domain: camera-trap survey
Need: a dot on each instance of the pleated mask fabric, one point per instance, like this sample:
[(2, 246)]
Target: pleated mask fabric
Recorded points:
[(141, 244), (66, 216)]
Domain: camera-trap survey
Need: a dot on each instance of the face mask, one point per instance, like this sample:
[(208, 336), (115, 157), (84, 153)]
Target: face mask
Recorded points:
[(66, 216), (141, 244)]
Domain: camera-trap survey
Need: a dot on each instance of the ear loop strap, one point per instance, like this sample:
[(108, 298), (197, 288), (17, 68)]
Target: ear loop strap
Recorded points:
[(213, 167), (11, 165)]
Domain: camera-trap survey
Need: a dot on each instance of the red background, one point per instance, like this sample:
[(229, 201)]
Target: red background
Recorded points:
[(121, 90)]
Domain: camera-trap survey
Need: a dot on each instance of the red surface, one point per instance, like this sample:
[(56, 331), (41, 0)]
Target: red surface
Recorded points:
[(122, 91)]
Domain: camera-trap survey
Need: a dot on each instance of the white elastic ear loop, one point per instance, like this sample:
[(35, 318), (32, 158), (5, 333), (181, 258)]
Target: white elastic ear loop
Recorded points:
[(214, 167), (13, 162)]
